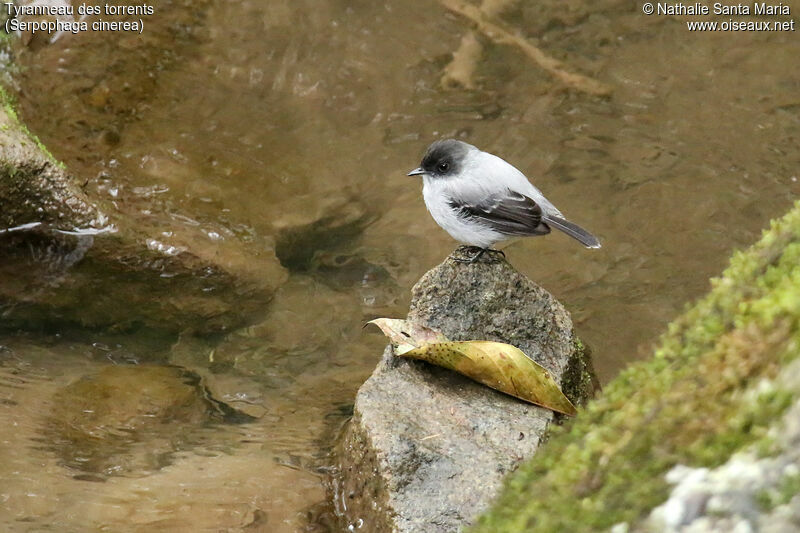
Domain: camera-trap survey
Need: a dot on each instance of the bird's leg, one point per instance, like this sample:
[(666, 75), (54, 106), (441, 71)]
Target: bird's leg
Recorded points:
[(478, 254)]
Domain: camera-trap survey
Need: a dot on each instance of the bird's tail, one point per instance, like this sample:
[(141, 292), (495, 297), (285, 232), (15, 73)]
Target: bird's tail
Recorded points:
[(573, 230)]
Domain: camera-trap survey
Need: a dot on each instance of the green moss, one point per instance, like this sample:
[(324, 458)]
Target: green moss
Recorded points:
[(686, 405), (8, 105), (788, 489), (580, 382)]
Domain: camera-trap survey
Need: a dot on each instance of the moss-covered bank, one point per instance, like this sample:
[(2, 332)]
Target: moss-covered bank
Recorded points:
[(694, 403)]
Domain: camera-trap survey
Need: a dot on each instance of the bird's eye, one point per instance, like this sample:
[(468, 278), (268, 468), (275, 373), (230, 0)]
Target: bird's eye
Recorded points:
[(444, 166)]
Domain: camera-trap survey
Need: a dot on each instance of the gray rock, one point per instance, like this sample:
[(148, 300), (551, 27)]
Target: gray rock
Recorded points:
[(427, 448)]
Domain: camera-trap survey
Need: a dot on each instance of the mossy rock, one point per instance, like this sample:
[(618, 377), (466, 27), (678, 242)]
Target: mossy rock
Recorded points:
[(68, 264), (698, 400), (34, 186)]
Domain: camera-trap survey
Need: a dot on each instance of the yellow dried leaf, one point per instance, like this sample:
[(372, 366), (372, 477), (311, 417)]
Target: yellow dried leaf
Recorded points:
[(500, 366), (495, 364)]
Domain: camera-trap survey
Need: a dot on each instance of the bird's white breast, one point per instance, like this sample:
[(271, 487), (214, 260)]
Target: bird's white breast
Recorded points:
[(437, 193)]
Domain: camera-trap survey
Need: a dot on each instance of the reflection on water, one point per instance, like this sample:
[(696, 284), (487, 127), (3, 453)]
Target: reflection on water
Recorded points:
[(285, 129)]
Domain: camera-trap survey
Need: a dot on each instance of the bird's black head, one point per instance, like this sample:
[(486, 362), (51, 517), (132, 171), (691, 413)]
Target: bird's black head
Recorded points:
[(443, 158)]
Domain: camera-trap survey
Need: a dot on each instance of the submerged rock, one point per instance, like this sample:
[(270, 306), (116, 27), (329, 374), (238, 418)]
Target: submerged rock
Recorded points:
[(131, 419), (427, 448), (303, 232)]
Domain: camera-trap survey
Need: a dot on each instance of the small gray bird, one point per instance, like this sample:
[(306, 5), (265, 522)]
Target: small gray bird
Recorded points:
[(480, 199)]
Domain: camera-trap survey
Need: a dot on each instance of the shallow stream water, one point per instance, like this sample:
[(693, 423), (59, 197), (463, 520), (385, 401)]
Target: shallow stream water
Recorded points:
[(286, 128)]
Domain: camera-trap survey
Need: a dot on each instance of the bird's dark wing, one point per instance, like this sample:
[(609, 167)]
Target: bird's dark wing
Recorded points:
[(510, 213)]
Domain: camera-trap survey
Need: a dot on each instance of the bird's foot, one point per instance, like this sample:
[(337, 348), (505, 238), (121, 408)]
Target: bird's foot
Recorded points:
[(476, 253)]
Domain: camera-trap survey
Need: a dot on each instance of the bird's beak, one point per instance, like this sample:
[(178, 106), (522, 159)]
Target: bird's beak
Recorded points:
[(416, 172)]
